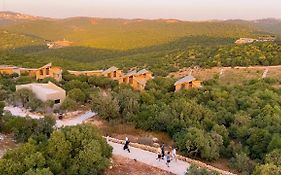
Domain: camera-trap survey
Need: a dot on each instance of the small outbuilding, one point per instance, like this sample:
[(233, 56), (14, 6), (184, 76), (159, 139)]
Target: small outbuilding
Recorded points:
[(45, 91)]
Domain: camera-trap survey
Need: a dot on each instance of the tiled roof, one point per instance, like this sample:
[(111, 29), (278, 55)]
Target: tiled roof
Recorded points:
[(111, 69), (143, 71), (47, 65), (188, 78), (131, 73)]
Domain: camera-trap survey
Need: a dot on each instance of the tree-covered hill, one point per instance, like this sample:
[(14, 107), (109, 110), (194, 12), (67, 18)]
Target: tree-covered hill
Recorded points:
[(11, 40), (163, 46), (125, 34)]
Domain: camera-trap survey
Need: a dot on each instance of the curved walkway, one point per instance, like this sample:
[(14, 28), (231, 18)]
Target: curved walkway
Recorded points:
[(149, 158), (138, 152)]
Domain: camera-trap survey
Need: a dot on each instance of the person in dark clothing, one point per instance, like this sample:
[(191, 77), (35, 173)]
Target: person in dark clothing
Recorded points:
[(126, 145), (163, 150)]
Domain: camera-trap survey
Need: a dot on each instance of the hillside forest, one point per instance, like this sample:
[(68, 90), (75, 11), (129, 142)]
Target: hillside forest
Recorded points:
[(239, 123)]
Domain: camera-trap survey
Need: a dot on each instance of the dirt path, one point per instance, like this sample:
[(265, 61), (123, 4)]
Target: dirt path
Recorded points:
[(126, 166), (149, 158)]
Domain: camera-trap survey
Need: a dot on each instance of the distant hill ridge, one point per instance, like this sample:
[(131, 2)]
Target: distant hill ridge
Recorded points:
[(17, 16), (124, 34)]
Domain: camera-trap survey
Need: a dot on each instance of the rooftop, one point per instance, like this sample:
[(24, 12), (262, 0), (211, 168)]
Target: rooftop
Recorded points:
[(131, 73), (143, 71), (84, 71), (8, 66), (111, 69), (45, 88), (188, 78)]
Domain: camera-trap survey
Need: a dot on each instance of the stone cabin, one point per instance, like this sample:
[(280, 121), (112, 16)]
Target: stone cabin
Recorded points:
[(187, 83), (39, 73), (113, 73), (137, 80)]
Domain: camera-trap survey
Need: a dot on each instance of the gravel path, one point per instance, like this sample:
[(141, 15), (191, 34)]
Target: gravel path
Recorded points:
[(21, 112), (149, 158), (75, 121)]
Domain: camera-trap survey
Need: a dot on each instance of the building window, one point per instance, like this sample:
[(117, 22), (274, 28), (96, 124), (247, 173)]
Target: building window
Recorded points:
[(41, 72), (47, 71), (57, 101), (182, 86), (144, 75), (190, 84), (114, 74)]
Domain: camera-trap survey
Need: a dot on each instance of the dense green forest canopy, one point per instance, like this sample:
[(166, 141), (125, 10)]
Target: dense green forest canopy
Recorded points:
[(163, 46), (124, 34), (161, 60), (237, 122)]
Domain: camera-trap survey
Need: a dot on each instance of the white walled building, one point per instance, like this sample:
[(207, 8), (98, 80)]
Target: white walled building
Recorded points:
[(45, 91)]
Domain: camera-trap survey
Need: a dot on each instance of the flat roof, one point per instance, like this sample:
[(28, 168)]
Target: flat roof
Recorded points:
[(44, 88), (8, 66)]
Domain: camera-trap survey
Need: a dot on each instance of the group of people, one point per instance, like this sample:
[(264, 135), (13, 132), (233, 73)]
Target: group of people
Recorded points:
[(161, 154), (169, 156)]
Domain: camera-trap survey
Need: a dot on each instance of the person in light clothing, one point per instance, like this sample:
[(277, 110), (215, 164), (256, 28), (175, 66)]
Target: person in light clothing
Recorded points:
[(174, 154), (159, 154)]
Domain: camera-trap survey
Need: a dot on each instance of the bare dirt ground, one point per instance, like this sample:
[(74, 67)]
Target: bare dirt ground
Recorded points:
[(229, 75), (6, 143), (125, 166), (120, 131)]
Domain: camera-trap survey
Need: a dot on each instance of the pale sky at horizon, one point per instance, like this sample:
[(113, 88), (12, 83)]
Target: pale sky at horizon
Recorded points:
[(150, 9)]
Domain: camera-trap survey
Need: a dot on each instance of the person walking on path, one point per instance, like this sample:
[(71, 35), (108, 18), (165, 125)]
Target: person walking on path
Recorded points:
[(174, 154), (163, 151), (159, 153), (126, 145), (168, 159)]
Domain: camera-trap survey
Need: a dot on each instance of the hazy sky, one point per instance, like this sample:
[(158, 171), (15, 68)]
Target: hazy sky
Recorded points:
[(180, 9)]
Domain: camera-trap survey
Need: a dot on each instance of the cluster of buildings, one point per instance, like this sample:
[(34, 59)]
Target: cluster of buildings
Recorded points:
[(38, 73), (136, 79), (49, 91), (259, 39)]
